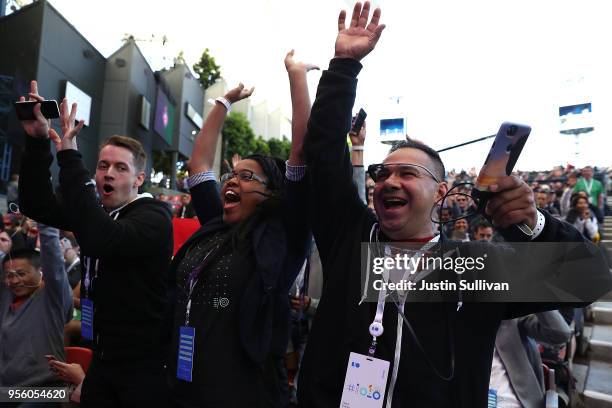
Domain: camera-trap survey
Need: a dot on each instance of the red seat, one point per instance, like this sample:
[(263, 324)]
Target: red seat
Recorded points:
[(79, 355)]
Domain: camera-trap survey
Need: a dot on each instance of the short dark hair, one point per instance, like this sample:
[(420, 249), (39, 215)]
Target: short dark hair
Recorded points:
[(438, 169), (30, 255), (133, 145), (482, 223)]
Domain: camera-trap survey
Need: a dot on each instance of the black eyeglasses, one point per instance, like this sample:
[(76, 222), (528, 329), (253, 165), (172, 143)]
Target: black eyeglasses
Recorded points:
[(381, 172), (243, 175)]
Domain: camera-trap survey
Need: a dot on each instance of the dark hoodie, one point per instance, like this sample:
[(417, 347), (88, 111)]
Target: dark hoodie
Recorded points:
[(132, 247)]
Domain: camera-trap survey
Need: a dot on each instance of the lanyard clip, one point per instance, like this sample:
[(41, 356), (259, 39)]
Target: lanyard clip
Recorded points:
[(372, 349), (187, 312), (376, 329)]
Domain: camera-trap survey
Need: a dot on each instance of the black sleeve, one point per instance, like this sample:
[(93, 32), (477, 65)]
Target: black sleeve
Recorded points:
[(141, 233), (334, 195), (36, 197), (296, 222), (206, 201), (582, 268)]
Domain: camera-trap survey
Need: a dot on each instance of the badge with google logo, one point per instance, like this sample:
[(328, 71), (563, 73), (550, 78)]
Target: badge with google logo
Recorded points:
[(365, 382)]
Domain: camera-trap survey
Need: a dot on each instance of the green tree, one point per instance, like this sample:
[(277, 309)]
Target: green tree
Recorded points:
[(280, 147), (238, 137), (261, 146), (207, 69)]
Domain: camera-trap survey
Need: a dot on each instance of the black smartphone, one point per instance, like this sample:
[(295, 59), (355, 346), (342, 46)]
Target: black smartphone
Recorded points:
[(25, 110), (359, 119)]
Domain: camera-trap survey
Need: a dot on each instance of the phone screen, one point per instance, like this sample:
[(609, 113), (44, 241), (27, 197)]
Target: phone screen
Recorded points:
[(25, 110)]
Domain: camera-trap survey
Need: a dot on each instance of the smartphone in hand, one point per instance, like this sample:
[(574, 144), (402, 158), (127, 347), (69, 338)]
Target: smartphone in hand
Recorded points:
[(503, 154), (25, 110), (358, 122)]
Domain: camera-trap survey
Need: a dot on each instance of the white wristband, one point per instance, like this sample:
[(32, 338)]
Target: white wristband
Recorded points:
[(223, 102), (356, 148), (539, 225)]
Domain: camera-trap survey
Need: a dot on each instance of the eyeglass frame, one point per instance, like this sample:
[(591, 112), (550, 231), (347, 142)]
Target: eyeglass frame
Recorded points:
[(372, 168), (19, 274), (225, 177)]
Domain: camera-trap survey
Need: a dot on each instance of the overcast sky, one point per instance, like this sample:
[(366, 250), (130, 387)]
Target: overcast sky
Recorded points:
[(460, 68)]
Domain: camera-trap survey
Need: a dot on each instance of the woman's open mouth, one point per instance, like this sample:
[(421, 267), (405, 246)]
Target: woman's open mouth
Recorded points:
[(231, 199)]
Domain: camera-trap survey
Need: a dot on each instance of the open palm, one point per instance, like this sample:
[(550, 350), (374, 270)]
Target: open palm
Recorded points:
[(360, 38), (239, 93)]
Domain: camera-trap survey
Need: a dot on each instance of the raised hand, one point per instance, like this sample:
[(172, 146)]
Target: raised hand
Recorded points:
[(38, 128), (297, 66), (203, 154), (360, 38), (239, 93), (69, 130), (235, 159)]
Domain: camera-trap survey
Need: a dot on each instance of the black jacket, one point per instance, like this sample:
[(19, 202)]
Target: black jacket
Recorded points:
[(278, 251), (340, 223), (133, 250)]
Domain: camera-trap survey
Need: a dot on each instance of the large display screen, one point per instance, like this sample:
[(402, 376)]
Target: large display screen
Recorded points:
[(392, 128), (164, 116), (574, 119), (83, 101)]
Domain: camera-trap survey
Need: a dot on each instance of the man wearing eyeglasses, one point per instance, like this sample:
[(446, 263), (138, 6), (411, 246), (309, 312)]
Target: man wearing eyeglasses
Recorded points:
[(33, 312), (439, 354)]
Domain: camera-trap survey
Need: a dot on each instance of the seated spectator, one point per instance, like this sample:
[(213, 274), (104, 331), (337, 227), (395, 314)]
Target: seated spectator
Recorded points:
[(33, 312), (164, 198), (594, 189), (483, 231), (543, 200), (465, 206), (186, 209), (370, 193), (581, 217), (565, 201), (446, 224), (460, 230), (517, 379), (554, 201)]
